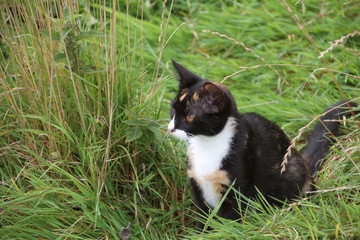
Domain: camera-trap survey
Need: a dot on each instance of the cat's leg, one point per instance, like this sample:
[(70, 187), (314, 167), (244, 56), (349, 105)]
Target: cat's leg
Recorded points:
[(229, 209), (202, 209)]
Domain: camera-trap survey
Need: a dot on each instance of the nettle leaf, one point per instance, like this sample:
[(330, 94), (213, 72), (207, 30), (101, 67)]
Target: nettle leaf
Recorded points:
[(133, 133), (65, 31), (156, 131)]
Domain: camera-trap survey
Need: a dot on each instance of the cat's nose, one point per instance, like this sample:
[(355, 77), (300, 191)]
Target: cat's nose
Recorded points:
[(171, 130)]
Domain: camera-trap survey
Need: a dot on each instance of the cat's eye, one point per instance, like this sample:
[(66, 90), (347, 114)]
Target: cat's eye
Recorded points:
[(189, 118)]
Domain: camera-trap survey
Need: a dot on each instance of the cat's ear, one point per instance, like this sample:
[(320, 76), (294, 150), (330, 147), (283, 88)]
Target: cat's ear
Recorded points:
[(187, 78), (214, 97)]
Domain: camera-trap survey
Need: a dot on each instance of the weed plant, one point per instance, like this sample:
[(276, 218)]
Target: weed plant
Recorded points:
[(84, 94)]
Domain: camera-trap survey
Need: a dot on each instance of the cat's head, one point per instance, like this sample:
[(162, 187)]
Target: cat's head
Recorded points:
[(201, 107)]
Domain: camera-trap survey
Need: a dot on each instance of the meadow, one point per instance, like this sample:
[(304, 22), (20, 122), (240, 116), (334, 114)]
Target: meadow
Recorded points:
[(85, 88)]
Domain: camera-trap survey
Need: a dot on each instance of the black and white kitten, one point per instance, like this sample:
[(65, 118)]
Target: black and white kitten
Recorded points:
[(226, 147)]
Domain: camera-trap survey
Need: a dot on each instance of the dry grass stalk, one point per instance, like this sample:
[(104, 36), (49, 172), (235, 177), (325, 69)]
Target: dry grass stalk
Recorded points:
[(348, 152), (294, 204), (349, 2), (162, 25), (338, 43), (245, 48), (296, 18), (334, 189), (162, 43), (110, 95), (300, 131), (290, 65), (317, 191), (352, 50), (236, 42)]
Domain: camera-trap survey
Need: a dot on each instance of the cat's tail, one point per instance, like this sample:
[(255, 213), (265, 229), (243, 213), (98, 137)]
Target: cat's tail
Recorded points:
[(323, 134)]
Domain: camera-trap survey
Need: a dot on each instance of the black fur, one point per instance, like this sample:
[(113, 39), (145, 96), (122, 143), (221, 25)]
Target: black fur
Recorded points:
[(258, 146), (323, 134)]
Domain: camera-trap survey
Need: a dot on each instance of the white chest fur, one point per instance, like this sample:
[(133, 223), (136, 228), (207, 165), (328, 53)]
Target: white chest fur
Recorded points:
[(205, 156)]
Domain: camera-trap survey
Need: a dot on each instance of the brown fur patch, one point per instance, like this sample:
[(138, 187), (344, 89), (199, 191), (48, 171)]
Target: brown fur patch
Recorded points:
[(183, 94), (195, 97), (189, 118), (218, 179)]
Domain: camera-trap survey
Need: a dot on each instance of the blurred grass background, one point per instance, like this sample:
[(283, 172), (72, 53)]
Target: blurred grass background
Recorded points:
[(84, 93)]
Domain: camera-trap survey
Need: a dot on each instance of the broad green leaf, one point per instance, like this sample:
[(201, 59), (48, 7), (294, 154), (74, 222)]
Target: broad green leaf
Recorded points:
[(133, 133), (156, 131)]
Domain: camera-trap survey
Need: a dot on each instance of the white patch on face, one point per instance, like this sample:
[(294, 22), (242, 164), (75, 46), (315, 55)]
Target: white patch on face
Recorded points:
[(171, 125), (206, 154), (180, 134)]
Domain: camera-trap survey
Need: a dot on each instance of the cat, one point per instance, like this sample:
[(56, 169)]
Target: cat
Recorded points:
[(225, 147)]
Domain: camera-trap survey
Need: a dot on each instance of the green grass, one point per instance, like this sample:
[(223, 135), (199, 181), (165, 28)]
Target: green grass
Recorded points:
[(84, 94)]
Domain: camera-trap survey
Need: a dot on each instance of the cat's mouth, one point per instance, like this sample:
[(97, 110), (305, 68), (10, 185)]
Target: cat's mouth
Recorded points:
[(180, 134)]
